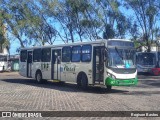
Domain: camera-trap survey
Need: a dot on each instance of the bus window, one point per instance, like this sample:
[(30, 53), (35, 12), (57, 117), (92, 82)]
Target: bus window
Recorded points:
[(76, 54), (37, 55), (66, 54), (23, 55), (46, 55), (86, 53)]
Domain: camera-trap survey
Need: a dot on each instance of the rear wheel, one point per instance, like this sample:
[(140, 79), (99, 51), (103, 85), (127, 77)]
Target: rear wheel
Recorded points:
[(39, 77), (84, 82), (79, 81)]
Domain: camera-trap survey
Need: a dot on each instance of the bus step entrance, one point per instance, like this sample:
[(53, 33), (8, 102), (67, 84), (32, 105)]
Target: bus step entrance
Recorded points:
[(98, 65)]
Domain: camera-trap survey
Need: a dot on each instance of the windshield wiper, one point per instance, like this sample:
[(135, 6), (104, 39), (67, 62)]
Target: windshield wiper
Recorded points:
[(118, 53)]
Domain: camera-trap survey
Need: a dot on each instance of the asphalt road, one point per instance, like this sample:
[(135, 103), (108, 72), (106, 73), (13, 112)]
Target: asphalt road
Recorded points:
[(19, 93)]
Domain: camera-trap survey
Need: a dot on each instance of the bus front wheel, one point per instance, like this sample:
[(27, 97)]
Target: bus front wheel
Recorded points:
[(109, 88), (39, 77)]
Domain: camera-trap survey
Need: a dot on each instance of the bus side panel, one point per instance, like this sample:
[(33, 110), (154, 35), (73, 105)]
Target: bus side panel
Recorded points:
[(46, 70), (70, 71), (85, 67), (23, 69), (35, 66)]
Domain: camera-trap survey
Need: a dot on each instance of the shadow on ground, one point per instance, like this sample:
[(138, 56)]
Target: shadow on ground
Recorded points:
[(68, 87), (141, 93), (151, 83)]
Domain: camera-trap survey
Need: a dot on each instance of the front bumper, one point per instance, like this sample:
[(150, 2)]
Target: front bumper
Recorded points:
[(120, 82)]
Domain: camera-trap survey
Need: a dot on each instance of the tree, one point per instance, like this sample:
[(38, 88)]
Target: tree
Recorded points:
[(4, 42), (146, 14), (26, 22)]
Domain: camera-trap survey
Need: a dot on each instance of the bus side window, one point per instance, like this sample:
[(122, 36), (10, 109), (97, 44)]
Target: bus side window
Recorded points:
[(86, 53), (46, 55), (37, 55), (76, 53), (23, 55), (66, 54)]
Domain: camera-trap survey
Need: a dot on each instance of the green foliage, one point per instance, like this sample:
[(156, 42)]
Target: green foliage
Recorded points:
[(40, 22), (109, 32), (147, 18)]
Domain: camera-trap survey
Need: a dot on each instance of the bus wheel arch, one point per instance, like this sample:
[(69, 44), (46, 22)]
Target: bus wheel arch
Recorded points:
[(82, 80), (38, 76)]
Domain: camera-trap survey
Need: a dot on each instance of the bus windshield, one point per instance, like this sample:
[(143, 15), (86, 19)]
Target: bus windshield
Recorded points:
[(121, 58), (146, 59)]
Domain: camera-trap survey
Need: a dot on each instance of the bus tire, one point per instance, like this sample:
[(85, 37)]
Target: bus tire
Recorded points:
[(109, 88), (39, 77), (79, 81), (84, 81)]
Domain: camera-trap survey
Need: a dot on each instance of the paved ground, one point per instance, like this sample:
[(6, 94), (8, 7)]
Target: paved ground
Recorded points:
[(19, 93)]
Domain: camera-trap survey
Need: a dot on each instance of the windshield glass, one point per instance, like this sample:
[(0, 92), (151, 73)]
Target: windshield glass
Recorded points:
[(146, 59), (121, 58)]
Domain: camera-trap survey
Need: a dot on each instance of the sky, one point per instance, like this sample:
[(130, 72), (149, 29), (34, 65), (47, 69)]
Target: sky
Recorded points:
[(15, 43)]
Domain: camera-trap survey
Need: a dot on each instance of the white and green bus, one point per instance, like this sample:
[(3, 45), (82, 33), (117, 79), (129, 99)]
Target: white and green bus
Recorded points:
[(98, 63)]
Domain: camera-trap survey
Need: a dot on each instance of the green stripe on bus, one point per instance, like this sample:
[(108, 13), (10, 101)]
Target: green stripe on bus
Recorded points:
[(120, 82)]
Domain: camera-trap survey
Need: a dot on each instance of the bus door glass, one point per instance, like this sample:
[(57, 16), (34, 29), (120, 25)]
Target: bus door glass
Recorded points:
[(29, 64), (56, 64), (46, 63), (98, 64)]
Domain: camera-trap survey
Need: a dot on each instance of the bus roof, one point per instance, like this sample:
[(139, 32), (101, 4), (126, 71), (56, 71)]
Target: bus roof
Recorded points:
[(98, 41), (121, 40)]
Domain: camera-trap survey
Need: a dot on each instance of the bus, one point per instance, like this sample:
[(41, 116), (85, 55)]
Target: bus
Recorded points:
[(97, 63), (148, 62), (3, 62)]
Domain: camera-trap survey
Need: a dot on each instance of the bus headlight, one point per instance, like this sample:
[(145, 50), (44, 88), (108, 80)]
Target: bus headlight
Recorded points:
[(110, 75), (114, 77)]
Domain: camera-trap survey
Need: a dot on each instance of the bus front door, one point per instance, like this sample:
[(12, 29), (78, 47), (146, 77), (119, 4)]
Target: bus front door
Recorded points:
[(56, 64), (98, 64), (29, 64)]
